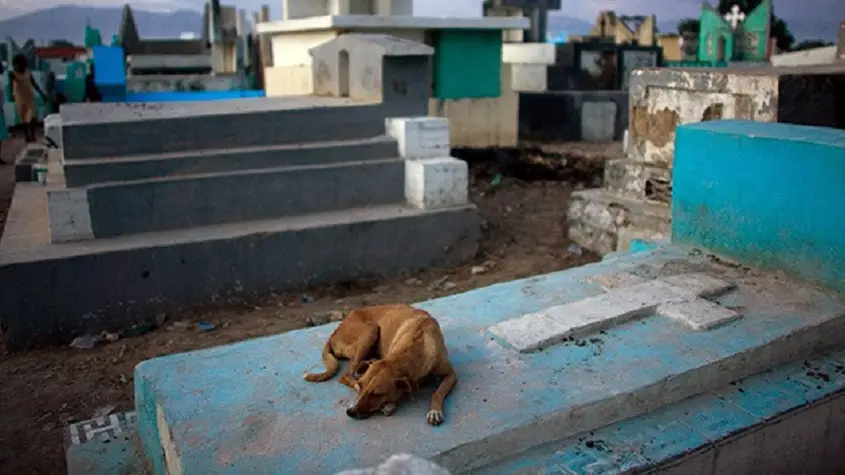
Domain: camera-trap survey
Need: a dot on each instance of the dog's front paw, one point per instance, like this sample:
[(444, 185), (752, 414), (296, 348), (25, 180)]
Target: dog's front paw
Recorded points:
[(388, 409), (434, 418)]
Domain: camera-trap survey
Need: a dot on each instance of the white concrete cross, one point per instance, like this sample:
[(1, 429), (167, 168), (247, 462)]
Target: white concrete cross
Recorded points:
[(735, 16), (680, 297)]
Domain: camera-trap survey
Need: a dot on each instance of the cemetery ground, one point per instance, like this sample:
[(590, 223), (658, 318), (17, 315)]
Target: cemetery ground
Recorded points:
[(521, 196)]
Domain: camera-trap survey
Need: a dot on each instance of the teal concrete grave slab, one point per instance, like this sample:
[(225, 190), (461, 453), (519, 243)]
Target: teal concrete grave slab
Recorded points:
[(244, 408), (766, 194), (654, 440)]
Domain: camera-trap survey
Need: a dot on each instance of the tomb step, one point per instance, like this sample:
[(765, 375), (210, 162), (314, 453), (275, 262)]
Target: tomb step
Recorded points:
[(226, 410), (788, 420), (638, 180), (160, 204), (112, 284), (91, 171), (605, 222), (112, 130), (790, 404)]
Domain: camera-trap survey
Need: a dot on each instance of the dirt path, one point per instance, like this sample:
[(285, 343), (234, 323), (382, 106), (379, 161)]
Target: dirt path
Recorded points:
[(42, 391)]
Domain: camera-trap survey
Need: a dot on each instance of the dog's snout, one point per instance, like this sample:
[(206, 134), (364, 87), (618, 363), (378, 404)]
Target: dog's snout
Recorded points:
[(356, 414)]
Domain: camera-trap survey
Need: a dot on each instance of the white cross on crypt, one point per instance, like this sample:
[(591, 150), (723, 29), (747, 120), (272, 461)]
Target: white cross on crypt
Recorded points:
[(679, 297), (735, 16)]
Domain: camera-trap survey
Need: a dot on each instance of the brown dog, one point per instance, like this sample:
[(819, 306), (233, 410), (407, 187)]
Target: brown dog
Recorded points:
[(410, 346)]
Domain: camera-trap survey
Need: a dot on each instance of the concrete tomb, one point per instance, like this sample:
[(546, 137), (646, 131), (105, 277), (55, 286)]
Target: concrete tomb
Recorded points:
[(213, 62), (634, 201), (642, 362), (173, 203), (575, 91)]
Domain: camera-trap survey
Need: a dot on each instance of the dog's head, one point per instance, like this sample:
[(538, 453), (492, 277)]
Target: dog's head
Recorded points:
[(379, 389)]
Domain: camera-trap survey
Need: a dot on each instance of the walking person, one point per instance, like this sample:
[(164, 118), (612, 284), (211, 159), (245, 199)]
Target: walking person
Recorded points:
[(24, 88)]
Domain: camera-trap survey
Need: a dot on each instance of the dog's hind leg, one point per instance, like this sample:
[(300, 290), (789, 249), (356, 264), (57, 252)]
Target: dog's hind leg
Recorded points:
[(367, 340), (435, 409), (332, 365)]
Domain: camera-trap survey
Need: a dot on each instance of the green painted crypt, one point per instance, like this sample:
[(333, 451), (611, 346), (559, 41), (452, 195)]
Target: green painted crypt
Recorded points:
[(736, 36)]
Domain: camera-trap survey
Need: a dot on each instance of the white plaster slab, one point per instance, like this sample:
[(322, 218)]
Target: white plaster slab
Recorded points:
[(69, 214), (432, 183), (53, 129), (528, 53), (698, 314), (420, 137), (679, 295), (699, 284), (529, 77)]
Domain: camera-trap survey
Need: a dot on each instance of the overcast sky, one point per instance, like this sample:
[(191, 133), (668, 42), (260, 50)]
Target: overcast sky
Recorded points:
[(806, 11)]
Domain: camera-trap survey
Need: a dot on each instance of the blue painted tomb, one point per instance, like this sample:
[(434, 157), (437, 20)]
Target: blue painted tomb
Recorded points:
[(632, 363)]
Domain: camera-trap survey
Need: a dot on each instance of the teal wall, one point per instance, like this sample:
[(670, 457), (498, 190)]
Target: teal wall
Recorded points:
[(467, 64), (767, 195)]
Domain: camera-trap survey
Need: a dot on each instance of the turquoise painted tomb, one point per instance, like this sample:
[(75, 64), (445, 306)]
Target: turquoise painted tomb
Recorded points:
[(669, 358)]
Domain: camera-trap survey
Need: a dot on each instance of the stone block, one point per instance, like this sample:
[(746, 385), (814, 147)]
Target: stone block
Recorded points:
[(420, 137), (529, 53), (432, 183), (190, 201), (698, 314), (663, 98), (766, 195), (640, 181), (598, 121), (69, 215), (528, 77), (53, 130)]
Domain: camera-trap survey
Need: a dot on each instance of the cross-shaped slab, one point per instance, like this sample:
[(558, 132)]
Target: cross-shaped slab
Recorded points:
[(680, 297)]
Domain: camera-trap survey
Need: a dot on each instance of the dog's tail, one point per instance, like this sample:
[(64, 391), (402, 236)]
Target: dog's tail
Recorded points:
[(331, 363)]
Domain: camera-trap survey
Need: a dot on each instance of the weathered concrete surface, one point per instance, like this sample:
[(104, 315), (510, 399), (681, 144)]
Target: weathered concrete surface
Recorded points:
[(555, 116), (105, 130), (742, 191), (790, 420), (161, 204), (91, 171), (105, 284), (663, 98), (244, 408), (374, 67), (605, 222), (185, 82)]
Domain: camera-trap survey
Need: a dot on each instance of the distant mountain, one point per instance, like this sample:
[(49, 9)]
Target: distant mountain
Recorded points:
[(67, 22), (559, 22)]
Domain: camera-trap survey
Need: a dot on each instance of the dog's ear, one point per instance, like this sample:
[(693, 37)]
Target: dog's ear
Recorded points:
[(405, 385), (363, 367)]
